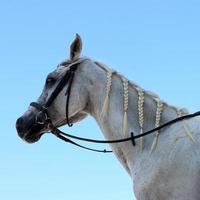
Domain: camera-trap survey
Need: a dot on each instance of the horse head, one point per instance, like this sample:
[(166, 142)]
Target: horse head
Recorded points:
[(63, 100)]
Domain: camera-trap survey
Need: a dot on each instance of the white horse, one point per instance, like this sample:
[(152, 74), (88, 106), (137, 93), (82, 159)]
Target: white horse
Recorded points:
[(164, 165)]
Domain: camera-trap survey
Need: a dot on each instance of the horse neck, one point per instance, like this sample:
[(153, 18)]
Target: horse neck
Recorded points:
[(121, 107)]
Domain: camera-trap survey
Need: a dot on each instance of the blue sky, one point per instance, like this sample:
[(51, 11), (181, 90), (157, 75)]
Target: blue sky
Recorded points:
[(154, 43)]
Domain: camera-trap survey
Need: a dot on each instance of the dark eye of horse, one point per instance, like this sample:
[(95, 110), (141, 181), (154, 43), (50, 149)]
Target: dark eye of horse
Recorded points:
[(50, 80)]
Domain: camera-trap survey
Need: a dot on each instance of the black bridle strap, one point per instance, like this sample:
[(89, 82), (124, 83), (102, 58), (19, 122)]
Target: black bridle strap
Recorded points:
[(56, 132), (59, 133), (67, 78), (68, 96), (58, 88), (38, 106)]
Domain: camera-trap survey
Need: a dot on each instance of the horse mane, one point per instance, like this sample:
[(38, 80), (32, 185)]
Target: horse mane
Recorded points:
[(141, 97), (151, 94)]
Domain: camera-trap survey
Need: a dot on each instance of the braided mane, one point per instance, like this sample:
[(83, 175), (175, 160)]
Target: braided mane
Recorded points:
[(141, 98)]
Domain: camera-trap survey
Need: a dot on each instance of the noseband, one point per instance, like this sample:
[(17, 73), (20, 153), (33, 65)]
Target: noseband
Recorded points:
[(68, 79)]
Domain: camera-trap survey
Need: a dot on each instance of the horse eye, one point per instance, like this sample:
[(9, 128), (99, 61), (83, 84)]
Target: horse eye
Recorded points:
[(50, 80)]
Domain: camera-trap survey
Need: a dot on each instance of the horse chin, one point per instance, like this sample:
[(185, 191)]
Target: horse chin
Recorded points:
[(33, 135), (29, 138)]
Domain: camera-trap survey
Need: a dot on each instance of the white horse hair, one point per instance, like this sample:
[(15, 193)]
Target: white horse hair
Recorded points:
[(164, 165)]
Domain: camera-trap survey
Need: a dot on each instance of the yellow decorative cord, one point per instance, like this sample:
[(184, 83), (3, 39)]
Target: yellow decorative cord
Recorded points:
[(141, 115), (159, 110)]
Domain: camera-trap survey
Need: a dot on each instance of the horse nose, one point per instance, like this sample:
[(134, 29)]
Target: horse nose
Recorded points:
[(24, 123), (19, 125)]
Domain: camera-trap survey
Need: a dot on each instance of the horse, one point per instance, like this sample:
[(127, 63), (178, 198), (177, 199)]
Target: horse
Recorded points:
[(162, 165)]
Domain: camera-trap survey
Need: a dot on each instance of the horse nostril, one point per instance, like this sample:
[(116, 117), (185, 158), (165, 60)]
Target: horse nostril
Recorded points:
[(19, 123)]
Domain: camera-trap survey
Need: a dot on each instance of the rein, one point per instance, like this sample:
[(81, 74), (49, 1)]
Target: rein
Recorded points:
[(68, 78), (66, 136)]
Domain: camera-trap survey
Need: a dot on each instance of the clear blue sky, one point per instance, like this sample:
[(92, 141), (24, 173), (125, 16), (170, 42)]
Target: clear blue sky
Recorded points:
[(154, 43)]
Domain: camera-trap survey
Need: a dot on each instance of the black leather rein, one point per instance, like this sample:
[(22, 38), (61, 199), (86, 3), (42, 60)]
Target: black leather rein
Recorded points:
[(68, 78)]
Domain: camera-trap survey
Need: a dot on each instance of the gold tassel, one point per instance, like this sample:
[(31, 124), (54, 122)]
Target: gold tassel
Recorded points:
[(141, 141), (155, 141), (105, 106), (125, 124)]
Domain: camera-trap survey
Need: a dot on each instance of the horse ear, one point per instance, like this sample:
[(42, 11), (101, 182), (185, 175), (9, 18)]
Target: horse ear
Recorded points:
[(75, 48)]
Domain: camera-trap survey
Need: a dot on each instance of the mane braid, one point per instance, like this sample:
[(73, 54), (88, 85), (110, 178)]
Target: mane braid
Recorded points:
[(125, 119), (159, 111), (141, 114), (141, 97), (108, 89), (154, 96)]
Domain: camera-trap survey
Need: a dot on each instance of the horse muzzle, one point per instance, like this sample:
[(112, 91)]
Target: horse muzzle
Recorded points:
[(30, 127)]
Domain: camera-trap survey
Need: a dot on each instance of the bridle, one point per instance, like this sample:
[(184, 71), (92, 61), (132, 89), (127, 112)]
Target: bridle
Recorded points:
[(43, 109), (68, 79)]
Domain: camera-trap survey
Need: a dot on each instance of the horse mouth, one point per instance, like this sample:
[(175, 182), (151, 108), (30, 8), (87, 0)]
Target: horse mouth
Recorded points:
[(29, 138), (33, 135)]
